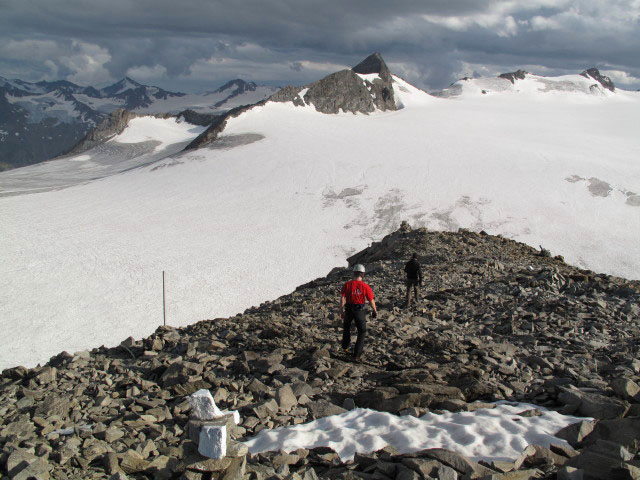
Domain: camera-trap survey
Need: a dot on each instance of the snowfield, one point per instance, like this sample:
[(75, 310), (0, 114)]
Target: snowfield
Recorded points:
[(489, 434), (289, 193)]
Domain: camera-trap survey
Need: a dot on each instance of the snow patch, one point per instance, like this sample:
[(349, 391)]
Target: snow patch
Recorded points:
[(80, 158), (165, 131), (488, 434)]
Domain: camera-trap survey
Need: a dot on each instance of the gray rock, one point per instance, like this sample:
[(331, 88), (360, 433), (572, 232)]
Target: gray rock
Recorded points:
[(285, 398), (593, 404), (626, 389), (623, 431), (576, 432), (323, 408)]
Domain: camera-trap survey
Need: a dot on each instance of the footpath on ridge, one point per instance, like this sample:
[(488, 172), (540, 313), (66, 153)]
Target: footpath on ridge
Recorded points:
[(497, 320)]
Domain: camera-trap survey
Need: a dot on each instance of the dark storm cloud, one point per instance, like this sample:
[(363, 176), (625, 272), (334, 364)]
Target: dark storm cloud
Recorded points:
[(194, 44)]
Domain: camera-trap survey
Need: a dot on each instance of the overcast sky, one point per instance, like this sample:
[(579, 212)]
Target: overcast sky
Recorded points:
[(195, 45)]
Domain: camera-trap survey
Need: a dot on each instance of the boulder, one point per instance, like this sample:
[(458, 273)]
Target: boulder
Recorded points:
[(213, 441), (286, 398), (593, 404), (323, 408), (203, 406)]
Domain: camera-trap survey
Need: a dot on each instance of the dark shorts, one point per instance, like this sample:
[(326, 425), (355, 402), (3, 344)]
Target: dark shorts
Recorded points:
[(413, 282)]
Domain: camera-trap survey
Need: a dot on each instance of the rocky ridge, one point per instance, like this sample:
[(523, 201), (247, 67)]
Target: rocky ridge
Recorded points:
[(346, 91), (111, 126), (498, 320), (340, 91)]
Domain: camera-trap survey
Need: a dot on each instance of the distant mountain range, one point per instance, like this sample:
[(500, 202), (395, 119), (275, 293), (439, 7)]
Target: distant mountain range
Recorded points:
[(41, 120)]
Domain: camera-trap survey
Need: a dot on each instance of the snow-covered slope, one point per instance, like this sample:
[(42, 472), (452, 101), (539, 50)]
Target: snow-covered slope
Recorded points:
[(145, 140), (286, 193), (41, 120), (522, 82)]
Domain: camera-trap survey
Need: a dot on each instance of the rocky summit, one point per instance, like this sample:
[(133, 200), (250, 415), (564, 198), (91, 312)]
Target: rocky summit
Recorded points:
[(497, 320)]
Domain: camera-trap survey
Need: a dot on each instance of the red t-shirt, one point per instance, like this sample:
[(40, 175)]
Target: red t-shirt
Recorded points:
[(356, 291)]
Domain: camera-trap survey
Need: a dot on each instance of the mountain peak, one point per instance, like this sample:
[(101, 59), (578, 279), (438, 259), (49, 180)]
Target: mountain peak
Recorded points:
[(513, 76), (121, 86), (603, 80), (373, 64), (238, 83)]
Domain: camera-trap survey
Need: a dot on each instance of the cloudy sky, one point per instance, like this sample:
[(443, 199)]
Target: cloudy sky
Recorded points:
[(195, 45)]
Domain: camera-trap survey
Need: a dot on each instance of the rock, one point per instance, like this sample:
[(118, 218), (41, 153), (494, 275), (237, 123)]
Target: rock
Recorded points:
[(601, 79), (301, 388), (402, 402), (203, 407), (110, 435), (113, 125), (349, 404), (625, 472), (213, 441), (285, 459), (110, 461), (179, 373), (624, 431), (446, 473), (576, 432), (456, 461), (515, 475), (513, 76), (323, 408), (595, 465), (202, 464), (593, 404), (404, 473), (256, 386), (371, 398), (46, 375), (236, 470), (535, 455), (18, 460), (453, 405), (53, 405), (626, 389), (132, 462), (570, 473), (118, 476), (285, 398), (266, 409)]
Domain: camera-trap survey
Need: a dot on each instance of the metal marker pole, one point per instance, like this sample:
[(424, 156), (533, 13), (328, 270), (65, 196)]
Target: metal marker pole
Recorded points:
[(164, 303)]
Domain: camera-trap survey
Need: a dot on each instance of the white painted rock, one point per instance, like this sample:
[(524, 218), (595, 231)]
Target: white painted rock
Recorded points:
[(235, 413), (213, 441), (203, 407)]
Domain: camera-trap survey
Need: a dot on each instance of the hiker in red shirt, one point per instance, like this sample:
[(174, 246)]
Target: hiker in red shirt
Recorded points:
[(353, 295)]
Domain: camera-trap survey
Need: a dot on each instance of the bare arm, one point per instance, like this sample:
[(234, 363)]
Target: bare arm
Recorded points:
[(343, 301), (372, 302)]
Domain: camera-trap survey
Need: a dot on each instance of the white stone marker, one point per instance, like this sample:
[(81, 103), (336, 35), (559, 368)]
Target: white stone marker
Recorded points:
[(213, 441), (203, 407)]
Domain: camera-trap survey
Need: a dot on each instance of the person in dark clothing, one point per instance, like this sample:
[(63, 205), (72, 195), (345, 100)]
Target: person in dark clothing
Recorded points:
[(353, 295), (414, 278)]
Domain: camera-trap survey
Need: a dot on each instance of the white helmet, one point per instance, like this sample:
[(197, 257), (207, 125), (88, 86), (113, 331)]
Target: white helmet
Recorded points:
[(358, 268)]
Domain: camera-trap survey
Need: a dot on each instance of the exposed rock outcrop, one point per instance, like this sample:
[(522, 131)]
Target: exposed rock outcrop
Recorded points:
[(218, 124), (341, 91), (346, 91), (603, 80), (513, 76), (111, 126)]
